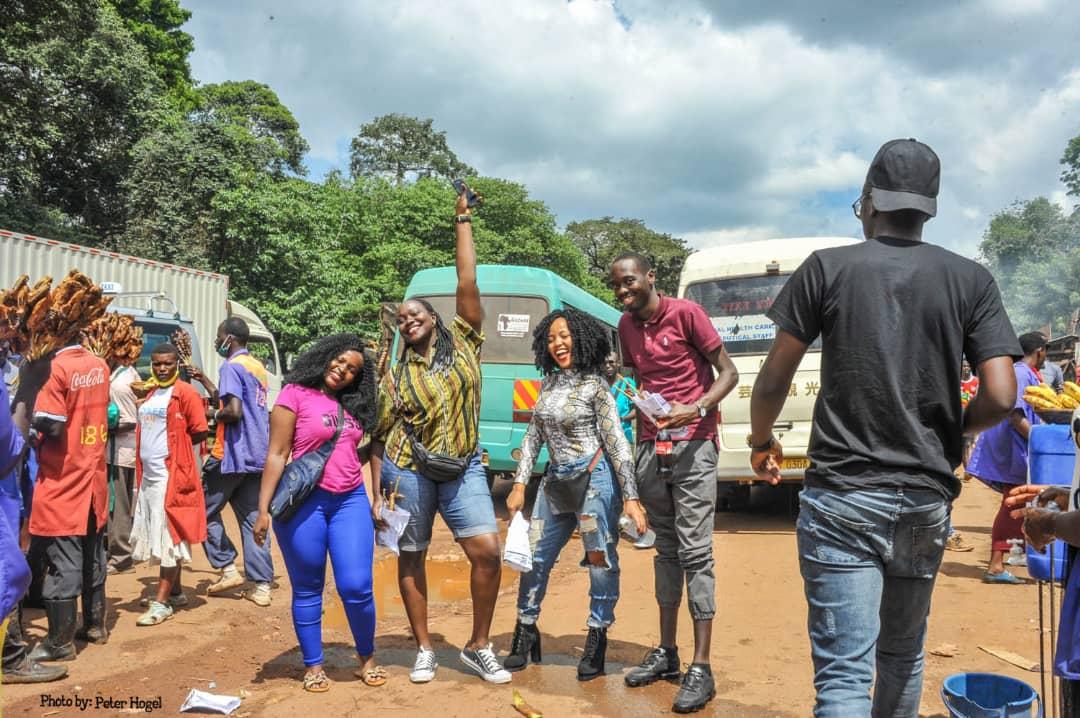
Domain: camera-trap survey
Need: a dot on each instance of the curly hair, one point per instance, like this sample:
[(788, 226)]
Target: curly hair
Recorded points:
[(358, 398), (591, 342)]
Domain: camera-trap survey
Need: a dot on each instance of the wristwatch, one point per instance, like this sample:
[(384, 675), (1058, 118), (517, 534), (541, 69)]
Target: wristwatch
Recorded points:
[(701, 410), (764, 447), (462, 218)]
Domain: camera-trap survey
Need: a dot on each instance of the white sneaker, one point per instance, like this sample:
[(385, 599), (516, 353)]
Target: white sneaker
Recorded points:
[(423, 671), (484, 662)]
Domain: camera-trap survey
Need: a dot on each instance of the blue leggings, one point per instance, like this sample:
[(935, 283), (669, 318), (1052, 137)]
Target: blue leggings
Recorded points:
[(340, 523)]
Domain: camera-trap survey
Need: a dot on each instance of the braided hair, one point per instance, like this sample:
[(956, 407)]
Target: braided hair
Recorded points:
[(358, 398), (444, 340), (591, 342)]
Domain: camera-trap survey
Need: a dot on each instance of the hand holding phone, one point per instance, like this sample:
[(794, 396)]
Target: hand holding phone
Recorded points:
[(472, 199)]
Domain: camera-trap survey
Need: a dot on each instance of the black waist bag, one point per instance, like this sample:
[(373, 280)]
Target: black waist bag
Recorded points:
[(439, 468), (566, 495)]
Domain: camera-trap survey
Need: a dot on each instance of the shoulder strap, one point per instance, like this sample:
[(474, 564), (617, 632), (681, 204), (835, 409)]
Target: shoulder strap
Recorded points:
[(340, 423), (596, 458)]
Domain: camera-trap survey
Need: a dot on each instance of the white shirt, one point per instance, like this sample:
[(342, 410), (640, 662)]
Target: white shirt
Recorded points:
[(154, 441)]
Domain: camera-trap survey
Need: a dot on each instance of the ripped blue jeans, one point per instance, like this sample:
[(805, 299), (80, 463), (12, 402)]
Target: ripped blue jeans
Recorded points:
[(598, 524)]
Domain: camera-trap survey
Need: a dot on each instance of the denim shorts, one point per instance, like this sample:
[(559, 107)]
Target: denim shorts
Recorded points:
[(465, 504)]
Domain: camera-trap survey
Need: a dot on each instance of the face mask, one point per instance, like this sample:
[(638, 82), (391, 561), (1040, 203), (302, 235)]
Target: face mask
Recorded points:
[(223, 349)]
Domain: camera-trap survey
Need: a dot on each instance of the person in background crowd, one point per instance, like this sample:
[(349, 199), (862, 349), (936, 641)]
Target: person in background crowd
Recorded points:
[(969, 387), (334, 378), (674, 349), (1000, 458), (14, 571), (9, 369), (875, 508), (70, 507), (435, 390), (233, 472), (170, 511), (1053, 375), (576, 418), (121, 460), (622, 388)]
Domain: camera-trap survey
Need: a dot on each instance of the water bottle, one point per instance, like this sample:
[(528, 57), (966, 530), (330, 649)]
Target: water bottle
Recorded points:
[(665, 456), (628, 527), (1016, 557)]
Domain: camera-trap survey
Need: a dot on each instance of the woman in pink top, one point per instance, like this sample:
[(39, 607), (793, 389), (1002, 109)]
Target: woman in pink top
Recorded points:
[(336, 518)]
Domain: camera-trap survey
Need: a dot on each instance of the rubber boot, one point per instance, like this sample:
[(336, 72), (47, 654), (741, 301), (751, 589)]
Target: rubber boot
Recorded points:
[(591, 664), (94, 629), (17, 667), (525, 645), (59, 644)]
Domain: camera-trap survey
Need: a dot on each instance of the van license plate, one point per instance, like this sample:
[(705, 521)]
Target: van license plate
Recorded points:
[(795, 464)]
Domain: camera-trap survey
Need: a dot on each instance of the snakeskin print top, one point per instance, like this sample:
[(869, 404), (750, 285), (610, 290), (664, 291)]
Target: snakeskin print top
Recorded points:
[(573, 415)]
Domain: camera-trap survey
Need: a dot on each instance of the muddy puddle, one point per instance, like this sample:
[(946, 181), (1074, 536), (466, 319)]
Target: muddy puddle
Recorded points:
[(447, 579)]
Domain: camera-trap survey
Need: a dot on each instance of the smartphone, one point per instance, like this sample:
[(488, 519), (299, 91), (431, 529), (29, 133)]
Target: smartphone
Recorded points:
[(473, 199)]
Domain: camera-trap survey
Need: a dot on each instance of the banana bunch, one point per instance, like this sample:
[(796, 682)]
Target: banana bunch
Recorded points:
[(1043, 398), (115, 337), (40, 319)]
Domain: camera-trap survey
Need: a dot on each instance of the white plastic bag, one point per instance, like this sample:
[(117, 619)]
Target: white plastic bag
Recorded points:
[(202, 701), (518, 552), (396, 520)]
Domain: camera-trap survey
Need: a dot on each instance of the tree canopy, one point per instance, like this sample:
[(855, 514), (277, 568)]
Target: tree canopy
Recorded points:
[(399, 146), (601, 240)]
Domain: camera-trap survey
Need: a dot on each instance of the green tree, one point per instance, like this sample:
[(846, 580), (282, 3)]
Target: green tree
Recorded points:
[(155, 24), (1071, 159), (1033, 249), (399, 146), (601, 240), (267, 134), (76, 94)]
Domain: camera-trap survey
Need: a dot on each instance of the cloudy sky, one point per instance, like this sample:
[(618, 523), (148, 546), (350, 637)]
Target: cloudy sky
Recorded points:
[(715, 121)]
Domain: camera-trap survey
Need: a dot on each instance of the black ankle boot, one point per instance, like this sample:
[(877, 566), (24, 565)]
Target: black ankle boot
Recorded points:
[(94, 629), (591, 664), (525, 646), (59, 644)]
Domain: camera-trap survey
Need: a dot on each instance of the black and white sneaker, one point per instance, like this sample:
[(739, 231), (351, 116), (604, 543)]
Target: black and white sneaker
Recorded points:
[(485, 664)]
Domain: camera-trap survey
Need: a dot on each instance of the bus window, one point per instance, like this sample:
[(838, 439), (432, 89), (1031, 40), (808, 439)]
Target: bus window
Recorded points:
[(509, 322), (737, 309)]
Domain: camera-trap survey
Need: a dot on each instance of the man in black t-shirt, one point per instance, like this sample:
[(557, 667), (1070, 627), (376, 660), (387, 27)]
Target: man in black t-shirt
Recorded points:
[(895, 316)]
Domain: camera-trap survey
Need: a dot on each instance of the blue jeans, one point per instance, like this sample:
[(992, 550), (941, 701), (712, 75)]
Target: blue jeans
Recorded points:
[(242, 492), (599, 527), (465, 504), (341, 525), (868, 561)]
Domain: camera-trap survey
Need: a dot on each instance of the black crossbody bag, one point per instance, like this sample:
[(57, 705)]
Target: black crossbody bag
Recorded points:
[(567, 496), (302, 475), (439, 468)]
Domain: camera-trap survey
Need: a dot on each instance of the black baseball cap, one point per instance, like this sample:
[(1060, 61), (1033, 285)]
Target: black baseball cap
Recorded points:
[(905, 174)]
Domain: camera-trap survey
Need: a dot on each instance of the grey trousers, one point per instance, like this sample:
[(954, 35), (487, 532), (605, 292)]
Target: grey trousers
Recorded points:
[(681, 512), (120, 518)]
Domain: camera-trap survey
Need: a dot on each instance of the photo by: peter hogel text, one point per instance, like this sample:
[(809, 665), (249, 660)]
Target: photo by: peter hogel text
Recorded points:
[(101, 703)]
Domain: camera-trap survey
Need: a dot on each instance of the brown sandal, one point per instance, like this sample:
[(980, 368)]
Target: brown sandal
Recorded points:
[(316, 682), (373, 677)]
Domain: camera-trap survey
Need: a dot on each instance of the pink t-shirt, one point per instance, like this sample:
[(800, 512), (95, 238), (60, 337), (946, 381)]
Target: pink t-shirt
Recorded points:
[(316, 420), (668, 353)]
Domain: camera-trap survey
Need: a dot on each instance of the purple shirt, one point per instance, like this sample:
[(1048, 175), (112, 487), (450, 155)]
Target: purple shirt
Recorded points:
[(244, 444), (316, 420), (1001, 454), (668, 352)]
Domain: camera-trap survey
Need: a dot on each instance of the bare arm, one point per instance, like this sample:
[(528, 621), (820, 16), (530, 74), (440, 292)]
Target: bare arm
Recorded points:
[(996, 397), (468, 293), (282, 428), (727, 376), (772, 385), (232, 411)]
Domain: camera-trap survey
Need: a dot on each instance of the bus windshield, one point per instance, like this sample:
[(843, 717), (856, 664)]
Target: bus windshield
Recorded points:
[(737, 309)]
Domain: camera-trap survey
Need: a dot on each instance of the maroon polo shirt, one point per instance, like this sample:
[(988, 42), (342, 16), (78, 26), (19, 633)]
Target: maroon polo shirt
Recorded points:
[(668, 352)]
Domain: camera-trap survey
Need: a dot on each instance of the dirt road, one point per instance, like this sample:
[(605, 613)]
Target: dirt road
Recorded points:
[(227, 645)]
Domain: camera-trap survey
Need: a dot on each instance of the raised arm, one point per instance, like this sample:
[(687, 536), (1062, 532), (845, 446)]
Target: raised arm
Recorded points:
[(468, 293)]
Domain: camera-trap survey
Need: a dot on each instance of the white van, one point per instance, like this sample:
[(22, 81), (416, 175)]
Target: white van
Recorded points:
[(737, 284)]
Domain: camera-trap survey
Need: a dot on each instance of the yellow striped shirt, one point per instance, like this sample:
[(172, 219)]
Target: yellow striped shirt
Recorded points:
[(443, 407)]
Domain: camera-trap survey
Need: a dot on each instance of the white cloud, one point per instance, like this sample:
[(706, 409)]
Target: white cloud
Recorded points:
[(702, 124)]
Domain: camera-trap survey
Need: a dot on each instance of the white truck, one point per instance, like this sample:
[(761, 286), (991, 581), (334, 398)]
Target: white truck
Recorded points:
[(161, 297)]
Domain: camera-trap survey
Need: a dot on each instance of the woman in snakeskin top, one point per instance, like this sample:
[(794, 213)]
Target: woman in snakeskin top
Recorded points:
[(576, 418)]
